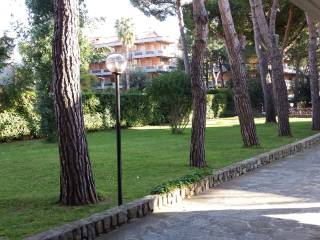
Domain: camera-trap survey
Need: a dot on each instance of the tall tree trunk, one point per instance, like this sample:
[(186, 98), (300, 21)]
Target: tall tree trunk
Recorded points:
[(76, 181), (270, 41), (314, 74), (280, 90), (239, 76), (183, 37), (221, 72), (197, 145), (297, 61), (271, 115), (263, 69)]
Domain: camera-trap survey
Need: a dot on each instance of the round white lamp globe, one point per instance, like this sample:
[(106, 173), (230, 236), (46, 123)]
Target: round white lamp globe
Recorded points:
[(116, 63)]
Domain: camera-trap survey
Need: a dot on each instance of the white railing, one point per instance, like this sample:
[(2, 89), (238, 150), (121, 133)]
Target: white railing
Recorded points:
[(148, 69), (155, 68), (152, 53), (100, 72)]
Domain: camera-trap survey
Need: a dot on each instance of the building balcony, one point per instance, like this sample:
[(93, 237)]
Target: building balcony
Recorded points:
[(100, 72), (155, 68), (147, 69), (152, 53)]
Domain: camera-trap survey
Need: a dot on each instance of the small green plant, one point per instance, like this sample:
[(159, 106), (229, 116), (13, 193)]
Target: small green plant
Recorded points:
[(180, 182)]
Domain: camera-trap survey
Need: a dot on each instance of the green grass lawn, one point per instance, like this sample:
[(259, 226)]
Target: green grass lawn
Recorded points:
[(29, 170)]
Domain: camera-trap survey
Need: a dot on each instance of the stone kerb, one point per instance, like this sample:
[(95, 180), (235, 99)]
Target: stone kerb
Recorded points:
[(104, 222)]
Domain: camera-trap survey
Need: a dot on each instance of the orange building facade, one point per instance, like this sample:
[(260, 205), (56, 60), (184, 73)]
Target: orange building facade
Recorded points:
[(151, 54)]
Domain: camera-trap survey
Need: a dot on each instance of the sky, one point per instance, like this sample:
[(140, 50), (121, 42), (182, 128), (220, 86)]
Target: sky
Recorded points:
[(13, 10)]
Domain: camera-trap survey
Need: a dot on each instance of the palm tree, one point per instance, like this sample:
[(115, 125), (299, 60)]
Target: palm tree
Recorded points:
[(125, 32)]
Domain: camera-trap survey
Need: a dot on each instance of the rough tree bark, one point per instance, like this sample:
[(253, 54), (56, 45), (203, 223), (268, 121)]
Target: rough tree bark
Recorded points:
[(269, 107), (279, 87), (239, 76), (127, 72), (263, 70), (76, 181), (314, 74), (197, 145), (184, 45)]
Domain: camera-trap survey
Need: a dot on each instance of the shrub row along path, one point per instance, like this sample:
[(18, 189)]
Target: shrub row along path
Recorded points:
[(280, 201)]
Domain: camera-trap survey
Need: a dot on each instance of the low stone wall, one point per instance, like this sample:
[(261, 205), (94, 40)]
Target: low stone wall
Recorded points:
[(104, 222)]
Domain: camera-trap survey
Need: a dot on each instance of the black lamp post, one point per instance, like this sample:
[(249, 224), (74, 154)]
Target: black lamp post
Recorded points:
[(116, 63)]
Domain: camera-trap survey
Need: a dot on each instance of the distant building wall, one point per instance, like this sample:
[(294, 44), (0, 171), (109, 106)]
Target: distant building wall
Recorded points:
[(151, 54)]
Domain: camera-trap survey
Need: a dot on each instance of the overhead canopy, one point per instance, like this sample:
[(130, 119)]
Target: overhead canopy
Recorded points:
[(312, 7)]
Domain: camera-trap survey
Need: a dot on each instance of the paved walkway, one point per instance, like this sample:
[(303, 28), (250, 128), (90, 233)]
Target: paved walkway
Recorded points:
[(277, 202)]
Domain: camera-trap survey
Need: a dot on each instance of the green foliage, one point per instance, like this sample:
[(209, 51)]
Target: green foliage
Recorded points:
[(158, 8), (302, 93), (99, 114), (40, 10), (222, 103), (138, 80), (37, 58), (256, 93), (99, 121), (91, 103), (36, 54), (210, 113), (100, 54), (18, 98), (136, 108), (180, 182), (93, 122), (6, 49), (13, 126), (242, 18), (171, 93), (87, 81)]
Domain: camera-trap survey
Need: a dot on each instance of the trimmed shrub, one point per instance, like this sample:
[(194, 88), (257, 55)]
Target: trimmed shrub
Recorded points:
[(107, 119), (98, 121), (13, 126), (93, 122), (171, 93), (210, 113)]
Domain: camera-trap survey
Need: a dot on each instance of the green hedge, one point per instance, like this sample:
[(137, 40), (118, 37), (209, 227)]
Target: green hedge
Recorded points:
[(171, 93), (136, 108)]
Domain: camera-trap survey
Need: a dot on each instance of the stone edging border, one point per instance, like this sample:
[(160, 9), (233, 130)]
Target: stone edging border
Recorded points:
[(104, 222)]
